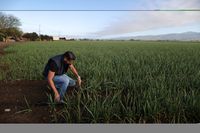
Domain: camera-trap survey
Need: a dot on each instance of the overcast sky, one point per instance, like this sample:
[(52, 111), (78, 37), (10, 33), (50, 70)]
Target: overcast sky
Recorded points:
[(105, 24)]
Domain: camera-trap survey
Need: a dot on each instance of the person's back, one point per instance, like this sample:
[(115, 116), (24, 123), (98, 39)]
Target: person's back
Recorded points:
[(57, 65)]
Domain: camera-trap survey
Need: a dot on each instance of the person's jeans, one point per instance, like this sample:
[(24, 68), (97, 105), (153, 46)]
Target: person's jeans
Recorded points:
[(62, 82)]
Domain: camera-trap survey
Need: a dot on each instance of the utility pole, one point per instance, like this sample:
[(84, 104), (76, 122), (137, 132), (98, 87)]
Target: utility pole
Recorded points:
[(39, 32)]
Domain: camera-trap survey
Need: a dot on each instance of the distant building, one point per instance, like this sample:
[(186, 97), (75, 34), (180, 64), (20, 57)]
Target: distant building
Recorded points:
[(56, 38)]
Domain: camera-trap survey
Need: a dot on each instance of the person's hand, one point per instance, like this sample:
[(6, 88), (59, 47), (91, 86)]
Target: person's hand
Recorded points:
[(57, 97), (79, 81)]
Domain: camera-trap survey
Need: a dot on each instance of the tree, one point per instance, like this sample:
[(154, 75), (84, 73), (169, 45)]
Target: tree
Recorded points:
[(9, 26), (46, 38), (12, 32), (8, 21), (2, 37), (31, 36)]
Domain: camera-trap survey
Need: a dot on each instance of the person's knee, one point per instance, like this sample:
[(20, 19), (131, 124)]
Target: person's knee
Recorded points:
[(65, 80), (72, 83), (65, 84)]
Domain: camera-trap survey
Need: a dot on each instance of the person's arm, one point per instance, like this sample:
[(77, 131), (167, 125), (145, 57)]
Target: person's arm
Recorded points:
[(52, 85), (75, 73)]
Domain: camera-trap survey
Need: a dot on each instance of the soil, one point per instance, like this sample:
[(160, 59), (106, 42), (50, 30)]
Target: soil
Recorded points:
[(14, 95)]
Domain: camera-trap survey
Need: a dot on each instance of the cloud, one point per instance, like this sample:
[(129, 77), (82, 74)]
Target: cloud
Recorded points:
[(179, 4), (143, 21)]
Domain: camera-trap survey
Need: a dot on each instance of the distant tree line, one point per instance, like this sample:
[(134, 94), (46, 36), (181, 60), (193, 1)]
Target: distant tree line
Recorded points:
[(46, 38), (35, 37), (31, 36)]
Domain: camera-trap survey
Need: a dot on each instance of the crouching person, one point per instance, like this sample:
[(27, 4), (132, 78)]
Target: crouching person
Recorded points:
[(55, 72)]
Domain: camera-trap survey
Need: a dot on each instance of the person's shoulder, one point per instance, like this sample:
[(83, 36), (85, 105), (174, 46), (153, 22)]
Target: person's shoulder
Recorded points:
[(51, 61)]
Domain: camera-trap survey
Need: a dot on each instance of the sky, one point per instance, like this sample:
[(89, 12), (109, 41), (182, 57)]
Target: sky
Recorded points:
[(53, 17)]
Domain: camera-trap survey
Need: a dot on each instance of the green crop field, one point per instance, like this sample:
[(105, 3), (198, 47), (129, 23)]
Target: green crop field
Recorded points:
[(124, 81)]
